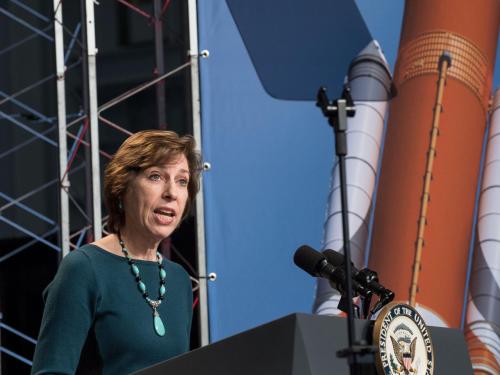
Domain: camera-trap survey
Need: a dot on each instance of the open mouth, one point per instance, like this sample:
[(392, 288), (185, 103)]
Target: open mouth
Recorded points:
[(165, 212)]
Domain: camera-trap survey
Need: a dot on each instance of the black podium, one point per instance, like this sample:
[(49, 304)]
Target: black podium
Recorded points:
[(300, 344)]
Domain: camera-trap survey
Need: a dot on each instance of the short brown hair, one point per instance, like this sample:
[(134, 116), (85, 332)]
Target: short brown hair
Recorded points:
[(140, 151)]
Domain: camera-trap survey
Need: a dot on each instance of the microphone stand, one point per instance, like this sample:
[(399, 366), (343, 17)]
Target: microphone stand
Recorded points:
[(337, 112)]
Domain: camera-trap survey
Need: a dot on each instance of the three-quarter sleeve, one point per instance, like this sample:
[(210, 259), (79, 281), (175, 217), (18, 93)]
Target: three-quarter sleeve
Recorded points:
[(71, 302)]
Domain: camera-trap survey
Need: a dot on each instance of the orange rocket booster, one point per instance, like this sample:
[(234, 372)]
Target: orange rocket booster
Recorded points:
[(430, 166)]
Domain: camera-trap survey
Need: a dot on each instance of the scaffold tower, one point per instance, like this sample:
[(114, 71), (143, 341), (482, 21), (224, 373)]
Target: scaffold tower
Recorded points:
[(61, 121)]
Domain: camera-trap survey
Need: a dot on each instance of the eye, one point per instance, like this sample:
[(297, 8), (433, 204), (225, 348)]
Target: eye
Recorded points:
[(183, 181), (154, 177)]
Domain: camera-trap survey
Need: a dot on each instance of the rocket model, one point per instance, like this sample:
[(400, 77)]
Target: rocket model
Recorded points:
[(424, 214), (483, 309), (369, 77), (429, 175), (430, 168)]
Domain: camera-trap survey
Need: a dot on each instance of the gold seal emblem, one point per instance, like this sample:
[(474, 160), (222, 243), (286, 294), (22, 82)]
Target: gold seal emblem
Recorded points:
[(404, 342)]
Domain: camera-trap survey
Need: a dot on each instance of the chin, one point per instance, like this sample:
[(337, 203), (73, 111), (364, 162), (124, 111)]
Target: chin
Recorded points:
[(163, 233)]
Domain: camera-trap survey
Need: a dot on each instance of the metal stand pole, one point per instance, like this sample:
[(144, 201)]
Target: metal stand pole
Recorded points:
[(62, 140), (200, 215), (160, 66), (92, 116), (337, 113)]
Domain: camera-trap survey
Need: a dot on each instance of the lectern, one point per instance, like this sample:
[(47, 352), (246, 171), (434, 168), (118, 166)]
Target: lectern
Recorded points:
[(300, 344)]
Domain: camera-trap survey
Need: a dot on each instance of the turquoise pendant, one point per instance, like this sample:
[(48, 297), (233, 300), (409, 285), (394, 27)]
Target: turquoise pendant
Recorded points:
[(159, 326)]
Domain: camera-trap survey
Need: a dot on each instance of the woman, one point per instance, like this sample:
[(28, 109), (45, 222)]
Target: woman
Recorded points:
[(116, 305)]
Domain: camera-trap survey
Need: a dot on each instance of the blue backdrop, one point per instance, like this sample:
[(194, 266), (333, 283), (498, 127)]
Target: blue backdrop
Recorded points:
[(266, 192)]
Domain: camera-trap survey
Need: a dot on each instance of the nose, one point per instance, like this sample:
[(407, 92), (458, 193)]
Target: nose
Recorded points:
[(169, 190)]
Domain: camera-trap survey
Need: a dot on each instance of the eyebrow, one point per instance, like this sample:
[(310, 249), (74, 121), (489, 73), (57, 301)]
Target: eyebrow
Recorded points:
[(182, 170)]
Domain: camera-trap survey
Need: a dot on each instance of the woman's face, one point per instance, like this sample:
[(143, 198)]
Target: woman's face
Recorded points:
[(155, 199)]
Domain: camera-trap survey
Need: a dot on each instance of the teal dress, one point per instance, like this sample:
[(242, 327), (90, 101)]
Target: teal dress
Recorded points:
[(97, 322)]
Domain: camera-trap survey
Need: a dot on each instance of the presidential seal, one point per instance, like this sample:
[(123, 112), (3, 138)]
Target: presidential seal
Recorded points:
[(404, 342)]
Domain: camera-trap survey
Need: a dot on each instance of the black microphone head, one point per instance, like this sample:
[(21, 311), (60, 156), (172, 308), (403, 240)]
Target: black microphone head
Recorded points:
[(308, 259), (334, 257)]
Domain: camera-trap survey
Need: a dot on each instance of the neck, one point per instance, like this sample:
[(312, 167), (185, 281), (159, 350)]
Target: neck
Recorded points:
[(139, 247)]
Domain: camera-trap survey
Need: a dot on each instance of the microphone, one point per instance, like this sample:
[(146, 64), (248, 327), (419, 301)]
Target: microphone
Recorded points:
[(336, 259), (366, 277), (317, 264)]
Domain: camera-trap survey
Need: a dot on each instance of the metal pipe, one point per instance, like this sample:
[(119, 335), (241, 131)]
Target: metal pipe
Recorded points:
[(25, 143), (27, 128), (84, 118), (164, 7), (62, 141), (22, 41), (28, 209), (79, 208), (32, 111), (31, 10), (25, 24), (102, 108), (72, 42), (18, 333), (34, 191), (17, 250), (160, 66), (29, 233), (135, 9), (127, 94), (80, 238), (91, 78), (115, 126), (82, 230), (76, 145), (16, 356), (36, 84), (200, 212), (87, 144)]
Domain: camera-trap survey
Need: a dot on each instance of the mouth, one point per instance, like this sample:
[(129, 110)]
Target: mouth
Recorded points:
[(165, 215), (165, 211)]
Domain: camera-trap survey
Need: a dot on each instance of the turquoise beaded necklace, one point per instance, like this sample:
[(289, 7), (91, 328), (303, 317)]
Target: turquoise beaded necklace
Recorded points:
[(154, 304)]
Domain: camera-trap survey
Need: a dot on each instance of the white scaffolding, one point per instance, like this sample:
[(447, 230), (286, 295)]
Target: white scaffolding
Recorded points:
[(75, 127)]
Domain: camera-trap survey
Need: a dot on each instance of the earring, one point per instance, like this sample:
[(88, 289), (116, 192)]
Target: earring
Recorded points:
[(120, 205)]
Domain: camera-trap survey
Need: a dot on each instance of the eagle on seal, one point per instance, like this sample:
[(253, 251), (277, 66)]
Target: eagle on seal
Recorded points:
[(405, 354)]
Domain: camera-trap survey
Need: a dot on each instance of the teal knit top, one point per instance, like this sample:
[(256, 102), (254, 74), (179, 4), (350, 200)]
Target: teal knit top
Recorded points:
[(96, 320)]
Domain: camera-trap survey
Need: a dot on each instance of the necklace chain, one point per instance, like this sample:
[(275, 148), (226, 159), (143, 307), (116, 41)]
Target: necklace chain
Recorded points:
[(159, 327), (154, 304)]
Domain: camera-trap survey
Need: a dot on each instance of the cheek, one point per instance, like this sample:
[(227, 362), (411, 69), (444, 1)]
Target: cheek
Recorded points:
[(184, 201), (129, 201), (136, 201), (186, 197), (131, 206)]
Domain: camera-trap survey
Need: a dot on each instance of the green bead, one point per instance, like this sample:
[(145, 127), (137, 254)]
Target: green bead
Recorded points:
[(142, 287), (163, 274), (135, 270), (162, 290)]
